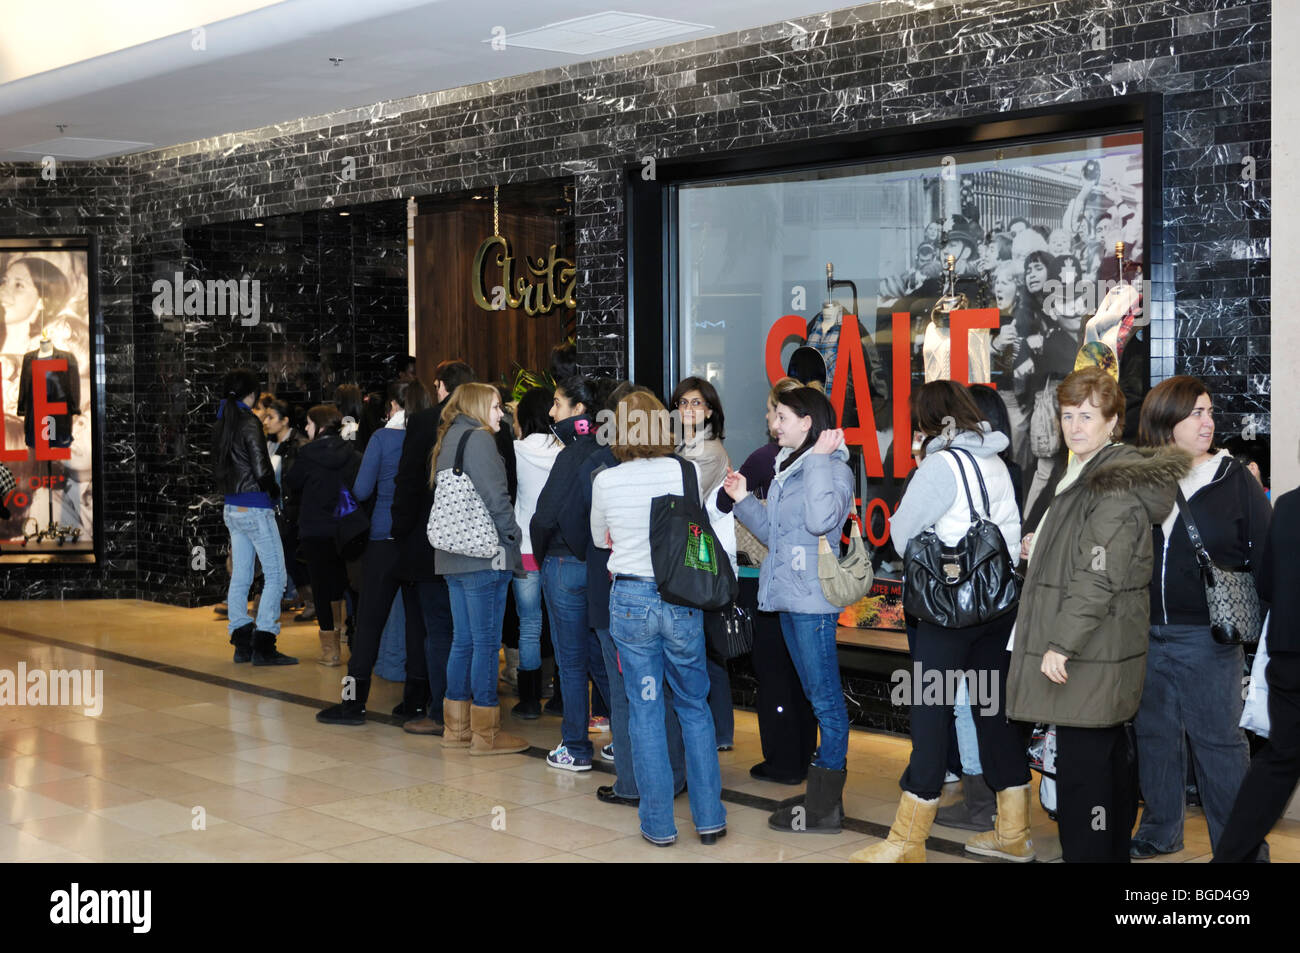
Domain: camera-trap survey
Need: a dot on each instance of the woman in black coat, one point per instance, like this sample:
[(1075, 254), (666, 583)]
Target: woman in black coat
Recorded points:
[(323, 468)]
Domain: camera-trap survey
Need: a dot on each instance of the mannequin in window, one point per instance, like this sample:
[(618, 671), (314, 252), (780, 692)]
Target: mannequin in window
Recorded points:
[(824, 336), (61, 387), (937, 344)]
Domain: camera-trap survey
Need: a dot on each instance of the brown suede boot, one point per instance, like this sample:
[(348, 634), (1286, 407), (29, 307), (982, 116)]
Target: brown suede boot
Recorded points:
[(1009, 838), (340, 615), (906, 841), (485, 724), (455, 716), (329, 648)]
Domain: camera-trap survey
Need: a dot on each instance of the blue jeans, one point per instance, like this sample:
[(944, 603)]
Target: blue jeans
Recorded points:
[(624, 767), (1193, 688), (810, 637), (528, 603), (435, 604), (254, 533), (967, 742), (478, 604), (577, 651), (660, 644)]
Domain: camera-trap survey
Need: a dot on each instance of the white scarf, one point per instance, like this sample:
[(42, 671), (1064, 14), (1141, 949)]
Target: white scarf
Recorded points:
[(397, 421)]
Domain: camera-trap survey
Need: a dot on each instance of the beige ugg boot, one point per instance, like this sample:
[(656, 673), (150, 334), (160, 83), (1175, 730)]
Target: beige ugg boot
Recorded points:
[(329, 648), (906, 841), (488, 738), (1009, 838), (455, 716)]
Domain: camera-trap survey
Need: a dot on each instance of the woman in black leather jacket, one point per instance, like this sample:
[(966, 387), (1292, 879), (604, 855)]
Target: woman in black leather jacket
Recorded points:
[(242, 468)]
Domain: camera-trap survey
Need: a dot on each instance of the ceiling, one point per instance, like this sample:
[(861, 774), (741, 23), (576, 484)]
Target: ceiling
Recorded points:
[(273, 64)]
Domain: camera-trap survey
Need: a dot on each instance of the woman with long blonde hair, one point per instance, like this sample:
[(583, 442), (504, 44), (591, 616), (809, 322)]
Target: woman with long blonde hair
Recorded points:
[(477, 585)]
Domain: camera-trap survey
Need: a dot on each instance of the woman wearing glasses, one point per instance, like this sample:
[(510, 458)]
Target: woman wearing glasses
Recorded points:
[(699, 415)]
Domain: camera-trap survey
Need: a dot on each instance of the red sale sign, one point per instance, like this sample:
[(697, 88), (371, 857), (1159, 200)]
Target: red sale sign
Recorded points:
[(42, 409)]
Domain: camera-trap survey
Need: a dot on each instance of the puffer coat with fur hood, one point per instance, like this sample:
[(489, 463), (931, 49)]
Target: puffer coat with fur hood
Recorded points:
[(1086, 591)]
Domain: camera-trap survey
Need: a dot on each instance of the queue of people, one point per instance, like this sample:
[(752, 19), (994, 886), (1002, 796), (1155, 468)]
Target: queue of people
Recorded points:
[(1107, 636)]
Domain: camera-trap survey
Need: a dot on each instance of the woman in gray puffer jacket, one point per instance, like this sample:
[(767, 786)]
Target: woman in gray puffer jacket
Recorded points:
[(811, 496)]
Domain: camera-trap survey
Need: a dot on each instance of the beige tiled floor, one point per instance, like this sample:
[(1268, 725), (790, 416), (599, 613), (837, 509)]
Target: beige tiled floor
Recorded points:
[(176, 769)]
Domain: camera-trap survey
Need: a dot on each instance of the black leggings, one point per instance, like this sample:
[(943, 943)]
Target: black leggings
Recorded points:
[(329, 577), (379, 586), (983, 649)]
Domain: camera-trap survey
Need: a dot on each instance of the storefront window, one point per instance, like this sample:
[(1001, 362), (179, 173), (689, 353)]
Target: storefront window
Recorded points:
[(1032, 231)]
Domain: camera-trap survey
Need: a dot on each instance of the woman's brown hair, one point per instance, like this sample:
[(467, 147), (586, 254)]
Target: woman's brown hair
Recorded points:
[(1096, 385), (782, 386), (472, 399), (945, 406), (327, 419), (642, 428), (1168, 404)]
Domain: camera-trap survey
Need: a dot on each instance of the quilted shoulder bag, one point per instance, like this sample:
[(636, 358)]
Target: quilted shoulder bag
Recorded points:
[(1230, 593), (847, 580), (967, 584), (459, 521)]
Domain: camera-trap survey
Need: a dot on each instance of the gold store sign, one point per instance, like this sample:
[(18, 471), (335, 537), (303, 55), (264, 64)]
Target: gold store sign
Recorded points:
[(536, 291)]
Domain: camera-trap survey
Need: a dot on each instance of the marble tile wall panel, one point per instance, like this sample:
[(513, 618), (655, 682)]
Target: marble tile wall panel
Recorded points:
[(880, 65)]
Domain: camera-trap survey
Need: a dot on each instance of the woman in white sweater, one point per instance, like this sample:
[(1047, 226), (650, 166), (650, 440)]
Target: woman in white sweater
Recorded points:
[(535, 451), (656, 640)]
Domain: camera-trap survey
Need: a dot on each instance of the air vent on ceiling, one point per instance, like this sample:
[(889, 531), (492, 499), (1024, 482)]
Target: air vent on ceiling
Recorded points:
[(600, 32), (72, 147)]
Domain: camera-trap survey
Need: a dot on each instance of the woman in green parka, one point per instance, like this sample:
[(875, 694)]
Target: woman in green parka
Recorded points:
[(1080, 642)]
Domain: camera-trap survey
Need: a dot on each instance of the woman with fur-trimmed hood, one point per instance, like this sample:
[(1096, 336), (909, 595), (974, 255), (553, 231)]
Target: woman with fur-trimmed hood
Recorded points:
[(1080, 642)]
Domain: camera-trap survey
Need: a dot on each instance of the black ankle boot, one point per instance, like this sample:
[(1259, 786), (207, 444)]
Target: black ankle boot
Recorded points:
[(530, 695), (819, 811), (242, 640), (264, 652), (348, 712), (415, 699)]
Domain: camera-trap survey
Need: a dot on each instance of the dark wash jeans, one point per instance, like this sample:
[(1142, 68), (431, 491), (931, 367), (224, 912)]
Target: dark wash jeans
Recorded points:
[(577, 651), (1193, 687)]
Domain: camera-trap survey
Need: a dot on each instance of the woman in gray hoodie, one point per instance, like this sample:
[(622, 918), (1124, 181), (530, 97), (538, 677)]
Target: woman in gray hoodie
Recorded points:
[(477, 585), (811, 496)]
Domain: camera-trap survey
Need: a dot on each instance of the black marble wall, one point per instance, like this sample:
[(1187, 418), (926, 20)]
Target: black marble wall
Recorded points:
[(332, 310), (882, 65)]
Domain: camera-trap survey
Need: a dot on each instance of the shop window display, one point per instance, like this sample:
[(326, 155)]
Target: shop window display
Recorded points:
[(1011, 249), (45, 379)]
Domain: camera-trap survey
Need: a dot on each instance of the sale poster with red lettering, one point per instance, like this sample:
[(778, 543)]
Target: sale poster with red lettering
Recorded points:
[(45, 383), (1002, 267)]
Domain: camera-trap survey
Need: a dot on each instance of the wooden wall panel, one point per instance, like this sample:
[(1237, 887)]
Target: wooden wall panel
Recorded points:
[(448, 322)]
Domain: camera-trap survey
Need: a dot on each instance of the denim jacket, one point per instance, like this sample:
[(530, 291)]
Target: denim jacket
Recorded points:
[(812, 498)]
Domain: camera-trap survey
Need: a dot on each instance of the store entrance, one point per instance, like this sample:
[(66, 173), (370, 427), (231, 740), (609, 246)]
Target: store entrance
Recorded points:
[(494, 278)]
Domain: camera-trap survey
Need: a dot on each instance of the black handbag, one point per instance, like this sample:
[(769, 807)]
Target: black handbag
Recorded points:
[(353, 527), (1230, 593), (730, 632), (691, 567), (967, 584)]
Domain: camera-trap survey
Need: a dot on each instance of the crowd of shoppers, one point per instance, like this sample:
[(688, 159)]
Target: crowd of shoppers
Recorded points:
[(475, 500)]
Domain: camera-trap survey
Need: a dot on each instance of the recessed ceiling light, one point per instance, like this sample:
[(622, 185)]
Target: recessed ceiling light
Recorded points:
[(599, 32), (258, 225), (344, 214), (74, 147)]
